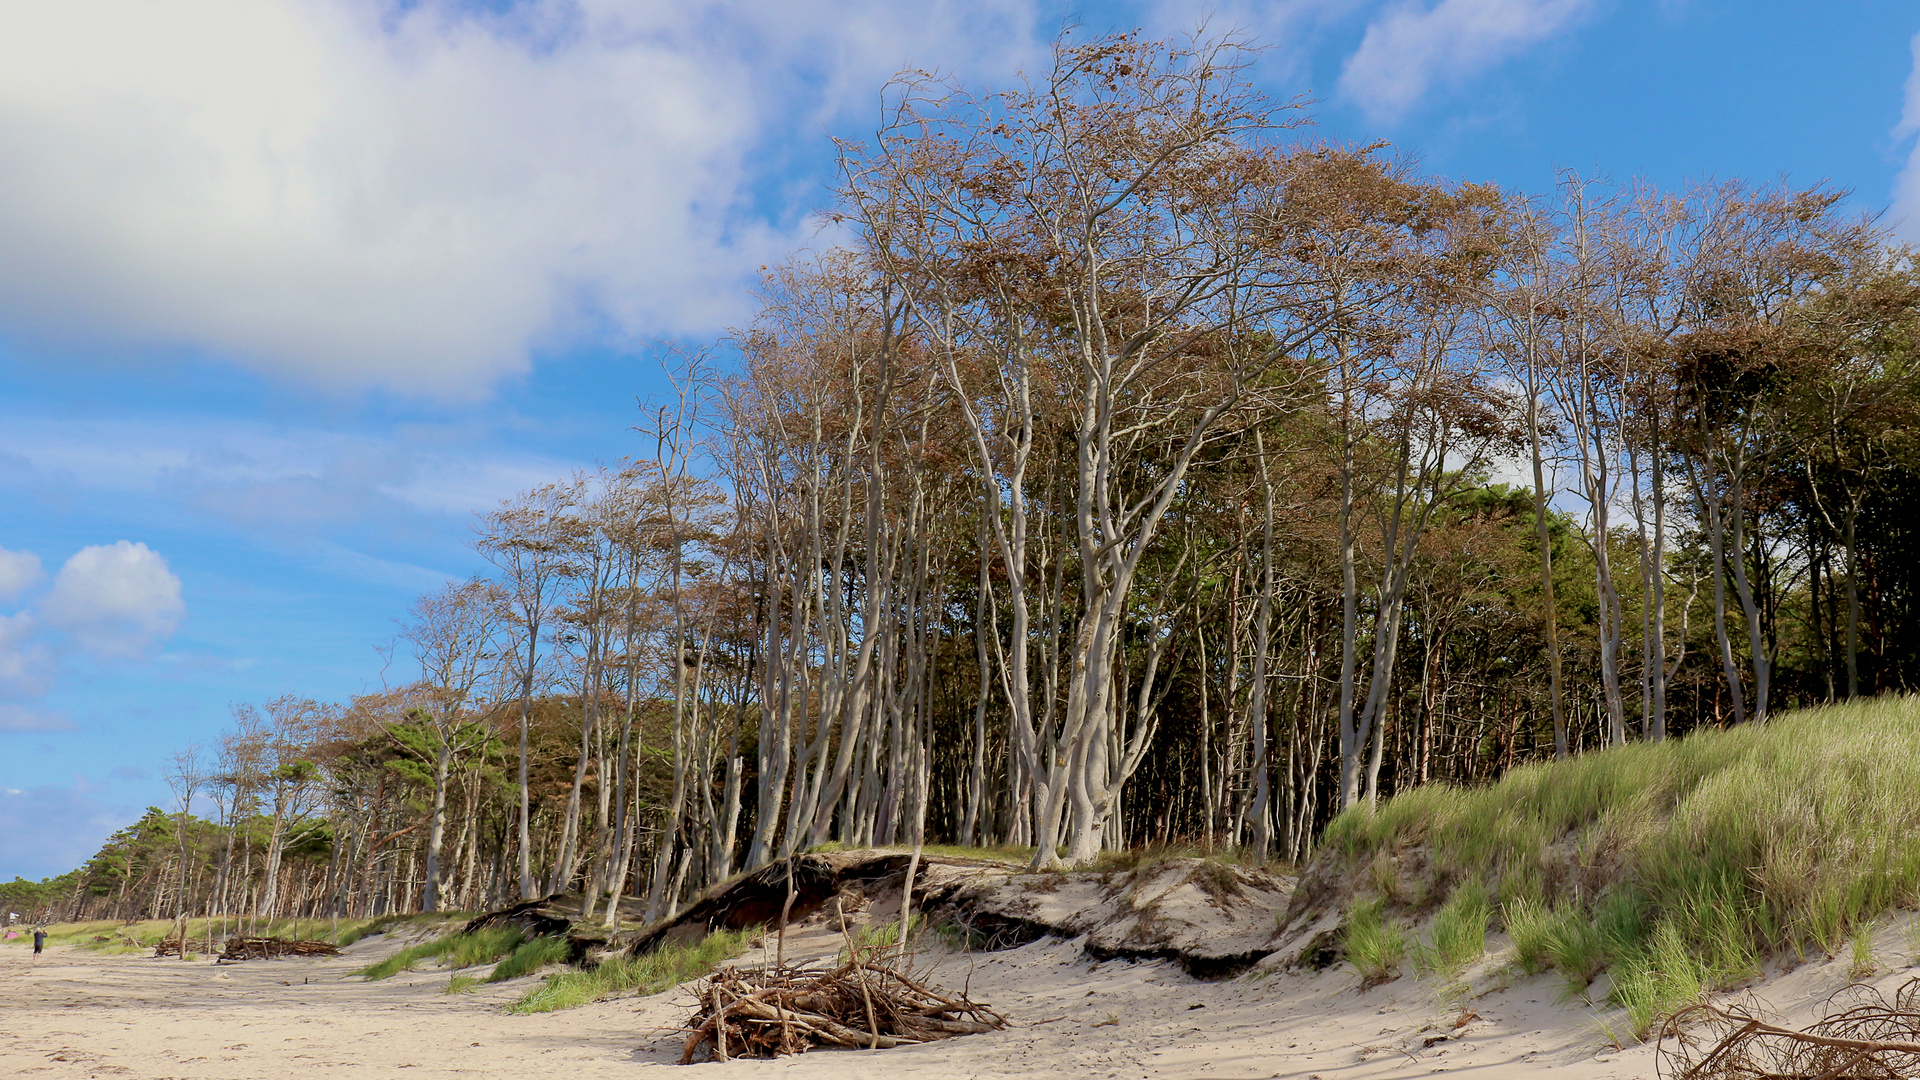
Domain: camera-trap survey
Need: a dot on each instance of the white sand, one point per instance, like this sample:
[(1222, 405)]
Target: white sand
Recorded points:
[(74, 1014)]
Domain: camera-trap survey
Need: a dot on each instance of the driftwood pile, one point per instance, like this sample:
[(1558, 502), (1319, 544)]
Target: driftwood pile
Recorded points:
[(1863, 1037), (864, 1003), (272, 948)]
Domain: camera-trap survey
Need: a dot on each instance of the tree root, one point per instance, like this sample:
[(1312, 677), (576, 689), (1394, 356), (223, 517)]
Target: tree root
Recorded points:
[(1863, 1037)]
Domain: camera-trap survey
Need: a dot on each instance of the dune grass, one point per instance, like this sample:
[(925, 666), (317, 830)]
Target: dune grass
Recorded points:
[(529, 957), (1375, 946), (355, 930), (649, 973), (454, 950), (1459, 932), (1676, 865), (882, 937), (113, 937)]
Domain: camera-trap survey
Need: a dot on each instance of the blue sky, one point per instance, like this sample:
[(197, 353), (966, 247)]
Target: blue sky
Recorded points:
[(290, 288)]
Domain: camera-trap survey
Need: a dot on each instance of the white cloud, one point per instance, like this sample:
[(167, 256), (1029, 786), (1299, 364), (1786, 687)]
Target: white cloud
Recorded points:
[(18, 569), (1905, 212), (363, 192), (1409, 47), (27, 718), (115, 600), (26, 665), (274, 475)]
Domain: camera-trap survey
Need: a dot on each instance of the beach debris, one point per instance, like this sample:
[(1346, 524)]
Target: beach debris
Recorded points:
[(1863, 1037), (870, 1002), (259, 948)]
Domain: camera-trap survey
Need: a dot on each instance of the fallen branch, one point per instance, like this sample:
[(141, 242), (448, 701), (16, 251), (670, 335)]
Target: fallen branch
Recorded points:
[(1863, 1037), (268, 948), (766, 1012)]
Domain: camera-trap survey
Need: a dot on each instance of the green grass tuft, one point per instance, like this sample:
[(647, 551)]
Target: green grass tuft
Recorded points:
[(650, 973), (1660, 979), (456, 950), (530, 957), (1374, 945), (1530, 925), (881, 937), (1459, 932), (1862, 965)]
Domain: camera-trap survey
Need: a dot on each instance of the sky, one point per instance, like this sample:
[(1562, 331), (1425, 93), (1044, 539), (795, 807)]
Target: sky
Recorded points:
[(291, 289)]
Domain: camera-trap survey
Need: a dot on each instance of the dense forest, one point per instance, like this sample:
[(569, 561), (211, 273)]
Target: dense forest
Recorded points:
[(1139, 470)]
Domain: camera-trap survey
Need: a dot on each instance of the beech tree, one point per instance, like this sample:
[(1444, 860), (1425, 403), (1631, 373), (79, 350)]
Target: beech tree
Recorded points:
[(1133, 474)]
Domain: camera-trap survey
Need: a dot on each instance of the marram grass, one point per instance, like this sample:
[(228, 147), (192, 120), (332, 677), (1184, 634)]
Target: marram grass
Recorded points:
[(455, 951), (113, 937), (529, 957), (1675, 865), (648, 973), (1374, 944)]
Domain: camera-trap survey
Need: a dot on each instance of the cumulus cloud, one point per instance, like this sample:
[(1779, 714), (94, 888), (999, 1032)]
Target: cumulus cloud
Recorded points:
[(115, 600), (26, 665), (370, 192), (1905, 213), (18, 570), (1411, 46)]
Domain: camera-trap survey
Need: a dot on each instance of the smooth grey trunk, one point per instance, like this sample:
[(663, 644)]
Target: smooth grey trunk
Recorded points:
[(1352, 738), (1853, 604), (1544, 539), (1261, 812), (1707, 503), (437, 829), (977, 775)]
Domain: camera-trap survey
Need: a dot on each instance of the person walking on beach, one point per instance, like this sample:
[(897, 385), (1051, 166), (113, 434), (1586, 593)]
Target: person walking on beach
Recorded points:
[(39, 940)]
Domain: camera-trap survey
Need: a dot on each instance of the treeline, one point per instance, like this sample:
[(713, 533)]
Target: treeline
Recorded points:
[(1137, 472)]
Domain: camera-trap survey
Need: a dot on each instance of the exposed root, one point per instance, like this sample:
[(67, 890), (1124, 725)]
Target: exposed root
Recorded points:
[(1863, 1037), (865, 1003)]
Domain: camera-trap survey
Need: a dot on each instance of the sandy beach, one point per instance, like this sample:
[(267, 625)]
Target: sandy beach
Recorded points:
[(72, 1014)]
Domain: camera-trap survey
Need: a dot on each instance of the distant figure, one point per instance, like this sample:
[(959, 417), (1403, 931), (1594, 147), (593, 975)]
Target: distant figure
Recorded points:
[(39, 940)]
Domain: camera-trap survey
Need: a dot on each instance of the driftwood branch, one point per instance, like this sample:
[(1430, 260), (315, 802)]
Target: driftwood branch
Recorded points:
[(1864, 1036), (766, 1012)]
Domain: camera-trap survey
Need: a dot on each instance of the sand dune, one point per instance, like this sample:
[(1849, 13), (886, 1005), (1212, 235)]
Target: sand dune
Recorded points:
[(73, 1014)]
